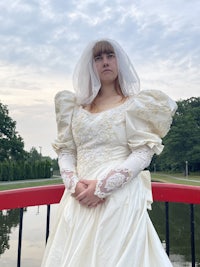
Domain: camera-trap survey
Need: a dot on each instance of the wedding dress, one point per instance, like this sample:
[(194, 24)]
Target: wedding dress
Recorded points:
[(119, 232)]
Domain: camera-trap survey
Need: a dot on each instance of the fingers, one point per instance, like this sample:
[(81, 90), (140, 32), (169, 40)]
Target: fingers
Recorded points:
[(86, 196), (80, 187), (91, 204), (81, 196)]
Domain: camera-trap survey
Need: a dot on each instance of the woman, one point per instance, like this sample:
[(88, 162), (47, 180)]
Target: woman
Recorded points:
[(107, 134)]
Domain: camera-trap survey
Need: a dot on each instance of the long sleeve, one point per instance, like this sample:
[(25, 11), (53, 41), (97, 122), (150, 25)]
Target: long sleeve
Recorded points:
[(147, 120), (137, 161), (64, 145), (67, 163)]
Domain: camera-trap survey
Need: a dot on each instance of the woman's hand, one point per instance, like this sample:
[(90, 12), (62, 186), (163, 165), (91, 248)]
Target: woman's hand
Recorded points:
[(87, 197), (80, 187)]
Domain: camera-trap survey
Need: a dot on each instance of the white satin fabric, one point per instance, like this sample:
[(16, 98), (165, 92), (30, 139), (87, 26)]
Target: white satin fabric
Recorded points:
[(117, 233)]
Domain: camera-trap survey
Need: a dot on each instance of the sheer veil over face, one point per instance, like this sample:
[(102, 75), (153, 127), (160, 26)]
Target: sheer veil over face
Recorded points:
[(86, 80)]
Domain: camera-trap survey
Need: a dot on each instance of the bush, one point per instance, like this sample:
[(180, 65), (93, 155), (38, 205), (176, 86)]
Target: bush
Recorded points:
[(19, 170)]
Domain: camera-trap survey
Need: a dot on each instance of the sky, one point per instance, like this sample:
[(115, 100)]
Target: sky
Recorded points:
[(42, 40)]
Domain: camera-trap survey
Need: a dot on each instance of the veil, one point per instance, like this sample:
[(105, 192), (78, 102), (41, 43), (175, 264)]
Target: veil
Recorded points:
[(86, 81)]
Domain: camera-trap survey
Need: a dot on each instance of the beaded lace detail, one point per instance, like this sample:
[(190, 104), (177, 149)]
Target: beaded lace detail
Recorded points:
[(70, 180), (117, 178), (67, 163), (92, 131)]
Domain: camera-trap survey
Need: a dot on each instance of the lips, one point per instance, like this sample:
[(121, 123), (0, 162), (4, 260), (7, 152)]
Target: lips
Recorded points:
[(106, 70)]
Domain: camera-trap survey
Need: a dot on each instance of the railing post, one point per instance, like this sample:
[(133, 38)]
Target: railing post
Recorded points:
[(48, 221), (20, 237), (167, 226), (192, 234)]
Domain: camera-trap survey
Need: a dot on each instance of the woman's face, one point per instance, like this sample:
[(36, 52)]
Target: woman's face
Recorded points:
[(105, 63)]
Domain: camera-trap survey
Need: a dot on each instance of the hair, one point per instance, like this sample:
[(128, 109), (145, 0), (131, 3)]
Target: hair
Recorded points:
[(100, 48)]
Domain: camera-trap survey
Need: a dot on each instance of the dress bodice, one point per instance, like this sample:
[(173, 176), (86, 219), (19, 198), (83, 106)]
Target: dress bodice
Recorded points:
[(100, 137)]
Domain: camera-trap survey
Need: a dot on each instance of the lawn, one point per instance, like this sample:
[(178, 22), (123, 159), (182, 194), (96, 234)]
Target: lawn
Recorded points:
[(176, 178), (31, 183)]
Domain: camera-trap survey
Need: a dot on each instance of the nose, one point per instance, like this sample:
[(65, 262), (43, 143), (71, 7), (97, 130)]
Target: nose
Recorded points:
[(105, 61)]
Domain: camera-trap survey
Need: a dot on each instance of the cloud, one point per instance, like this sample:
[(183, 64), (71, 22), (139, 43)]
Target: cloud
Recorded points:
[(174, 78)]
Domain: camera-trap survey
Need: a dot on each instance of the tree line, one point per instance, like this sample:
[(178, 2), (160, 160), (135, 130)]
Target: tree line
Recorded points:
[(23, 169), (182, 143), (15, 162)]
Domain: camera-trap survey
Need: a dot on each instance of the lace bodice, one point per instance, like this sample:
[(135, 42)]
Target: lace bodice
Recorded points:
[(99, 137)]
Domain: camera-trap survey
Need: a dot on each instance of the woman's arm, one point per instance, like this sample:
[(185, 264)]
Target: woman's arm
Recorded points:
[(66, 162), (137, 161)]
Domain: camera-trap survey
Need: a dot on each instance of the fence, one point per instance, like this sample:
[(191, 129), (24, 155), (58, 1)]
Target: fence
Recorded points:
[(47, 195)]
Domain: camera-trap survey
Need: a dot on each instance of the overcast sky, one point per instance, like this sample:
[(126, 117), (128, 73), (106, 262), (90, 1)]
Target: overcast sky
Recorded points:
[(41, 41)]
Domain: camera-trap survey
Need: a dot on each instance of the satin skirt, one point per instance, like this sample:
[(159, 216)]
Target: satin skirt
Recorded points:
[(117, 233)]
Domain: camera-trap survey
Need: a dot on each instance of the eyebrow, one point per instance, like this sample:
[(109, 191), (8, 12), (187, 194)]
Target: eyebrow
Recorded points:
[(104, 52)]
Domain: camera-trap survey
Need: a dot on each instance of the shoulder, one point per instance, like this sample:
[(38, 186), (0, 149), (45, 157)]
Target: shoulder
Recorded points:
[(152, 100), (64, 96), (153, 110), (65, 101)]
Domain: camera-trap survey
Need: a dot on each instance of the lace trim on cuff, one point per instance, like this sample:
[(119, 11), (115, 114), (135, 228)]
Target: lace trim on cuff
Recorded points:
[(114, 180), (70, 180)]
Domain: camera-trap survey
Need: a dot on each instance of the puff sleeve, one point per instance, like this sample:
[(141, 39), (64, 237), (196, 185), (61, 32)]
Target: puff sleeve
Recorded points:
[(148, 119), (64, 145)]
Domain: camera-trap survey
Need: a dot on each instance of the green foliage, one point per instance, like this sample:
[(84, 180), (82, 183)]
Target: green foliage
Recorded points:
[(182, 142), (15, 163), (11, 143), (33, 155), (8, 220), (19, 170), (55, 164)]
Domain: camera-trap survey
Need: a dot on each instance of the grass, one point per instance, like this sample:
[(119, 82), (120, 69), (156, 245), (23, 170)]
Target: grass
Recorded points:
[(175, 178), (30, 183)]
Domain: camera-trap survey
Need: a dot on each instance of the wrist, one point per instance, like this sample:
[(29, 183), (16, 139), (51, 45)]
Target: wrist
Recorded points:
[(114, 180), (98, 192), (70, 180)]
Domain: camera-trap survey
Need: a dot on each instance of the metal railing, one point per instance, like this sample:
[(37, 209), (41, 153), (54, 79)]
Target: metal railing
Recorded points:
[(47, 195)]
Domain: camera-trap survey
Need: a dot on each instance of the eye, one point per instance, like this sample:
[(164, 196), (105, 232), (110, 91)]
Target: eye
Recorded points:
[(98, 58), (111, 55)]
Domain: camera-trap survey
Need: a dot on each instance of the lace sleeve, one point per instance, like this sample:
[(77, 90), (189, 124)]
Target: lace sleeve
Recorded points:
[(64, 145), (138, 160), (66, 163)]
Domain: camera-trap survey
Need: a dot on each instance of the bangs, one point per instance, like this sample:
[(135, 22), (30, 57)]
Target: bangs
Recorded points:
[(102, 47)]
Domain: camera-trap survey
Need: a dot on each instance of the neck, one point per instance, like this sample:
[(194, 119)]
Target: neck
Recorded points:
[(110, 89), (107, 91)]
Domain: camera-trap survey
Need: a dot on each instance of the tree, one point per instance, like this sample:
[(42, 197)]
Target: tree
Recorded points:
[(11, 143), (182, 142), (33, 155)]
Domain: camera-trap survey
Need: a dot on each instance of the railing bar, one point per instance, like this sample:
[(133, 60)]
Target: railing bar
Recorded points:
[(21, 212), (192, 230), (48, 221), (167, 226)]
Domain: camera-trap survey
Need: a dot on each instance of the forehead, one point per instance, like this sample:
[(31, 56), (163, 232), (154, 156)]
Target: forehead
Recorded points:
[(102, 47)]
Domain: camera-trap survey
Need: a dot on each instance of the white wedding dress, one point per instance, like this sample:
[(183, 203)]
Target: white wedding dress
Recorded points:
[(117, 233)]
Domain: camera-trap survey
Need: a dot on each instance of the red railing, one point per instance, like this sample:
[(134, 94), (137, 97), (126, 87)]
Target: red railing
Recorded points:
[(45, 195)]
